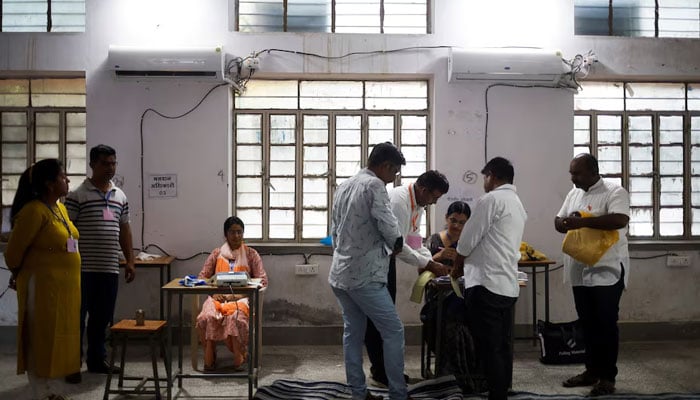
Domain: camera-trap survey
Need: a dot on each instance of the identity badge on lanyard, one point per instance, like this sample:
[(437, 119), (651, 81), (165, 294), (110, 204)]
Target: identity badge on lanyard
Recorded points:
[(414, 241), (71, 243), (107, 213)]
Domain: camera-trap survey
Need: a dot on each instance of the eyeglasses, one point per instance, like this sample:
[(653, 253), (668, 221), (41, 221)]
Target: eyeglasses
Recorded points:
[(434, 196), (105, 163), (457, 221)]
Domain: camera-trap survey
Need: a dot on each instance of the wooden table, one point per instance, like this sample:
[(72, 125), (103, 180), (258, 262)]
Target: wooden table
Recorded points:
[(163, 264), (173, 288), (533, 266), (121, 333)]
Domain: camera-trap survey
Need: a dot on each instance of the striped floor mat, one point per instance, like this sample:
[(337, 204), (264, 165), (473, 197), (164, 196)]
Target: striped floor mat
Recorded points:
[(617, 396), (443, 388), (440, 388)]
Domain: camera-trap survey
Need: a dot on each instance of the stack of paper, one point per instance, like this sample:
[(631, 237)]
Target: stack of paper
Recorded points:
[(522, 276)]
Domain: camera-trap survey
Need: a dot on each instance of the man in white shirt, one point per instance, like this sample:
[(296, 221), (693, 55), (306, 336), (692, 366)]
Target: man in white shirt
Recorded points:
[(488, 252), (598, 288), (407, 203), (365, 234)]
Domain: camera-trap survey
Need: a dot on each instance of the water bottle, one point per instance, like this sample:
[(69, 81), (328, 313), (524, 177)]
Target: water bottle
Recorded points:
[(140, 317)]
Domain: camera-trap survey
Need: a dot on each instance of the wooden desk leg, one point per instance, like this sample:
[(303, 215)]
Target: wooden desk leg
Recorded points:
[(438, 333), (546, 292), (124, 337), (166, 361), (258, 337), (534, 306), (169, 345), (423, 374), (252, 341), (167, 266), (108, 383), (179, 340), (154, 363), (162, 283)]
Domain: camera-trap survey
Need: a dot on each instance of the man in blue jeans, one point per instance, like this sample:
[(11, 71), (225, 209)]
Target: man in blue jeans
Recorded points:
[(365, 233), (100, 211)]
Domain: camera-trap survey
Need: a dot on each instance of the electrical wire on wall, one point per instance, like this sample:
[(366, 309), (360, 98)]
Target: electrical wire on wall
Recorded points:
[(236, 67), (165, 253), (533, 272), (5, 291), (655, 256), (237, 78), (579, 68), (560, 266), (143, 189), (354, 53)]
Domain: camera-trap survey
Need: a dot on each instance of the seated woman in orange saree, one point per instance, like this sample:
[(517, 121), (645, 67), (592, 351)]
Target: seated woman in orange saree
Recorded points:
[(224, 317)]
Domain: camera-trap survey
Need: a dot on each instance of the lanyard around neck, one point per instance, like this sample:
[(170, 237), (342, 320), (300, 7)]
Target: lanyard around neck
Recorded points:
[(414, 215), (61, 218), (105, 197)]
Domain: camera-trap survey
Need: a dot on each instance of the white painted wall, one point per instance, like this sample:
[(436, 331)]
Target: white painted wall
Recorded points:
[(532, 127)]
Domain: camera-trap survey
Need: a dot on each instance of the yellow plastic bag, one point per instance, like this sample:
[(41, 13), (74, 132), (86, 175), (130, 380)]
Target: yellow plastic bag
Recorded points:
[(588, 245)]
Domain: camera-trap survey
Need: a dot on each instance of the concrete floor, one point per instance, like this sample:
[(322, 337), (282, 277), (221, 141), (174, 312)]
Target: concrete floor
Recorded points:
[(645, 368)]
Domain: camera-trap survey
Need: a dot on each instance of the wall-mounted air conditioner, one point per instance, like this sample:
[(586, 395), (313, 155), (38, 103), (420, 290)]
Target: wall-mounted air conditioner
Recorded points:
[(201, 63), (511, 65)]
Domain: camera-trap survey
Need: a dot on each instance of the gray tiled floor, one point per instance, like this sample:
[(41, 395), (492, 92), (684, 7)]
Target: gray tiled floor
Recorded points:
[(645, 367)]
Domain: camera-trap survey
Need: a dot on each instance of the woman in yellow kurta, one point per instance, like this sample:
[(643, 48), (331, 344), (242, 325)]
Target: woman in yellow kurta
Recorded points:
[(42, 254)]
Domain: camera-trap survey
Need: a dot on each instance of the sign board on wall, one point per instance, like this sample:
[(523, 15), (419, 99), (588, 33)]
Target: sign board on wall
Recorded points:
[(164, 185)]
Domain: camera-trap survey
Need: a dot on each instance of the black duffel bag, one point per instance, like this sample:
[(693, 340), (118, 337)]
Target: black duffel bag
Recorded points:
[(561, 343)]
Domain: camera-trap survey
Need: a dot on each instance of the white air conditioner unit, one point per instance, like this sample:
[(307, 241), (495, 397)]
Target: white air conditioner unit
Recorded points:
[(509, 65), (201, 63)]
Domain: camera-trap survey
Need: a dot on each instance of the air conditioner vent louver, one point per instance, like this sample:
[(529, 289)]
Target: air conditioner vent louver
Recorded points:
[(166, 74)]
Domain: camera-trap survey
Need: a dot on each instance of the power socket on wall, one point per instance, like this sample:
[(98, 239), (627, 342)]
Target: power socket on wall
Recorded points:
[(678, 261), (306, 269)]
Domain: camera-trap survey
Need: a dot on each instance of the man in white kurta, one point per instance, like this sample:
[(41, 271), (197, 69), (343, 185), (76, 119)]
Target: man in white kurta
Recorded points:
[(407, 203), (597, 288), (488, 252)]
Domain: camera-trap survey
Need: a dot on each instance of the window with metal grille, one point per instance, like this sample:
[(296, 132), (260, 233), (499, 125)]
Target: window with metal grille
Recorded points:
[(42, 15), (648, 18), (646, 137), (40, 118), (296, 140), (339, 16)]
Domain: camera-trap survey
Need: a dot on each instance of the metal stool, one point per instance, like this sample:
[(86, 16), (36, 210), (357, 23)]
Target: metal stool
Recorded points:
[(155, 333)]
